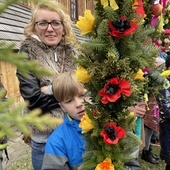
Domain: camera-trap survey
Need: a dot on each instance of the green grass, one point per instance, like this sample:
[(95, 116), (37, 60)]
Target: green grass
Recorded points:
[(148, 166)]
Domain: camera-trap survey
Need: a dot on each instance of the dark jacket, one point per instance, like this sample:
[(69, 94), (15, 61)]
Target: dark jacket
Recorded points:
[(30, 91), (30, 87), (164, 124)]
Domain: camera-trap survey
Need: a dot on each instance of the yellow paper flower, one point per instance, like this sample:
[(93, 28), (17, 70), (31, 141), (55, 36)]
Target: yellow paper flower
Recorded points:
[(85, 24), (86, 124), (105, 165), (113, 4), (82, 75), (165, 73), (131, 114), (139, 74)]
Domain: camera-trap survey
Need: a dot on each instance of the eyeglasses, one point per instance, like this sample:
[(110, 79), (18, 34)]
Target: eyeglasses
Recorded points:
[(43, 25)]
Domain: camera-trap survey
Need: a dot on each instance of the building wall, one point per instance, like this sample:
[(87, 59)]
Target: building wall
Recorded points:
[(10, 81), (82, 5)]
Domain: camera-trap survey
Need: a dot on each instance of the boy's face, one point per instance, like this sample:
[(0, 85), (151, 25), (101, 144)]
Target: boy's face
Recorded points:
[(74, 106)]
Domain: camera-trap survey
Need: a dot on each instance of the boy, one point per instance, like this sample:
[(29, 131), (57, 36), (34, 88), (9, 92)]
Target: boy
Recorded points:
[(65, 146)]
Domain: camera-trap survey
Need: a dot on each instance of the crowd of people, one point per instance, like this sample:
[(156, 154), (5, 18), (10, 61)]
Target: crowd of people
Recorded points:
[(50, 41)]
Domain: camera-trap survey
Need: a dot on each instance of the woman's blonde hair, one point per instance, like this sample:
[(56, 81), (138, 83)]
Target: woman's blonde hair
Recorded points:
[(54, 6), (65, 86)]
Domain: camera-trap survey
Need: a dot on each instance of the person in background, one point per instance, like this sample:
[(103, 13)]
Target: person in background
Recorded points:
[(139, 110), (151, 121), (4, 139), (147, 154), (164, 123), (155, 139), (50, 42), (65, 146), (151, 124)]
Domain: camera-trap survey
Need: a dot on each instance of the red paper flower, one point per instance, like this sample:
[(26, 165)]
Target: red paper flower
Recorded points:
[(166, 31), (112, 133), (113, 90), (122, 27), (146, 71)]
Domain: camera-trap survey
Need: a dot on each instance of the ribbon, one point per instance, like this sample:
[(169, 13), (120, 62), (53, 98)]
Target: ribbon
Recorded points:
[(113, 4), (161, 23), (154, 20), (156, 111), (163, 2)]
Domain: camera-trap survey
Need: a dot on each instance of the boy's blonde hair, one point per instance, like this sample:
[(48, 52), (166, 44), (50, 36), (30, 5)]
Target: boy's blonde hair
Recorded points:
[(65, 86), (54, 6)]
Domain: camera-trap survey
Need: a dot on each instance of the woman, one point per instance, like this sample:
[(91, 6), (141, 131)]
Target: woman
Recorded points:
[(48, 41)]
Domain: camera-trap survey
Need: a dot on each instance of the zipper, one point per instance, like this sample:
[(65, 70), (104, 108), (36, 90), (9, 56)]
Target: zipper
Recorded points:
[(55, 57)]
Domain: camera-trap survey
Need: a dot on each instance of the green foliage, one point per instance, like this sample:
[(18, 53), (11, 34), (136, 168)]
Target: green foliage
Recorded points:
[(11, 116), (110, 13), (8, 115), (125, 8)]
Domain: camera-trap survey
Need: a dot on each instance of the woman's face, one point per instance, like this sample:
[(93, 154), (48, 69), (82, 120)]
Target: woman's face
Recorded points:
[(49, 36)]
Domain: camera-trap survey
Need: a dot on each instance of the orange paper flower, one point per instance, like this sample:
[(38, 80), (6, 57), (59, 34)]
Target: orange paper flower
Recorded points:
[(105, 165)]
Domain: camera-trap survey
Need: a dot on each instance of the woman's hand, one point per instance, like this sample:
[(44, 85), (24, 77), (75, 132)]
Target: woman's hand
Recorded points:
[(44, 90)]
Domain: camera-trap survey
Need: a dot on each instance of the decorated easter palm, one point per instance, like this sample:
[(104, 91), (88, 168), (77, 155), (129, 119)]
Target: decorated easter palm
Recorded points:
[(113, 69)]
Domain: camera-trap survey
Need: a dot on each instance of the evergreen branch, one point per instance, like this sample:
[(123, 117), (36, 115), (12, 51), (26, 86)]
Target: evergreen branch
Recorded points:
[(110, 14), (94, 44), (88, 165), (12, 116), (103, 30), (126, 7), (18, 60)]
